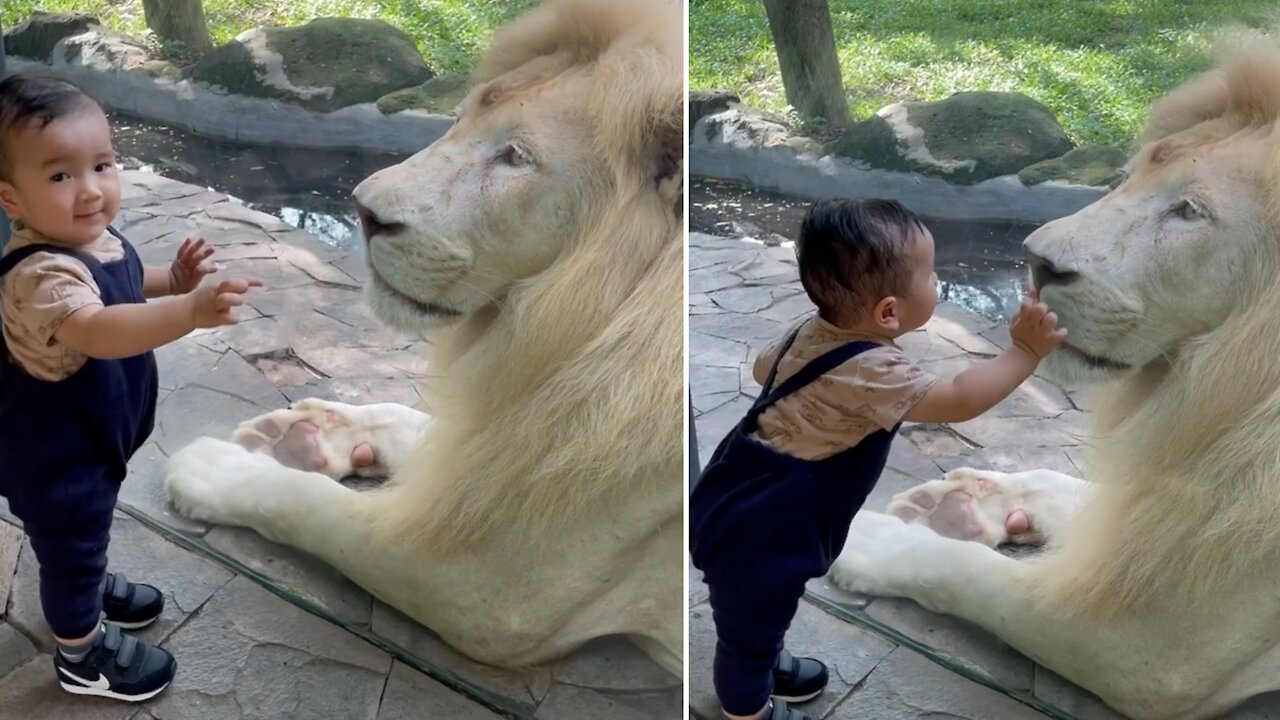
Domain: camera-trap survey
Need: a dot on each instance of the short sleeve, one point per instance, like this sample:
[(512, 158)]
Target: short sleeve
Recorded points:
[(881, 385), (42, 291)]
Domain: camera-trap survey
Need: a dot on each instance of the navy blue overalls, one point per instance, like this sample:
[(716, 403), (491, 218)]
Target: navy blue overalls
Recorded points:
[(64, 447), (762, 524)]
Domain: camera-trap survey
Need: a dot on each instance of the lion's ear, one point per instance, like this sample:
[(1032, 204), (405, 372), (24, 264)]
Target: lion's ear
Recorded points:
[(1204, 97), (538, 32), (669, 160)]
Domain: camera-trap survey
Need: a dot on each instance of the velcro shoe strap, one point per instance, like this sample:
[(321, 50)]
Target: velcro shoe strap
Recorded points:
[(128, 649), (111, 637), (117, 587), (785, 663)]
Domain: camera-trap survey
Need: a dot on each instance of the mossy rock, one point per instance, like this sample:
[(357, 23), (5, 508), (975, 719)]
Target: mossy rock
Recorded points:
[(36, 36), (163, 69), (110, 51), (874, 142), (966, 139), (1092, 165), (324, 65), (439, 95), (709, 102)]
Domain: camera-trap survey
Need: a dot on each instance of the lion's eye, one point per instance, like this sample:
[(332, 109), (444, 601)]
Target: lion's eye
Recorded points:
[(514, 155), (1188, 210)]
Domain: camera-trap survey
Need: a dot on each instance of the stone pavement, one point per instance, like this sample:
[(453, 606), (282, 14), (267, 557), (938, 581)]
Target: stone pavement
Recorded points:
[(741, 296), (314, 646)]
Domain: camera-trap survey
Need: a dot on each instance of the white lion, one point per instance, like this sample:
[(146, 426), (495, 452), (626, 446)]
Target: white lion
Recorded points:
[(1160, 587), (541, 238)]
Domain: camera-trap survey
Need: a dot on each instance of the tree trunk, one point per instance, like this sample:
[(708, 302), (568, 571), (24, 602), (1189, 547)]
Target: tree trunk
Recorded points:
[(178, 20), (806, 47)]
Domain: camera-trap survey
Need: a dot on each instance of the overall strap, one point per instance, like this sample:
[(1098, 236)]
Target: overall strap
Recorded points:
[(773, 371), (132, 261), (129, 251), (12, 259), (815, 369)]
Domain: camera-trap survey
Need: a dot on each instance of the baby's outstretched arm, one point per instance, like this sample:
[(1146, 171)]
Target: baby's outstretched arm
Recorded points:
[(1035, 333), (121, 331)]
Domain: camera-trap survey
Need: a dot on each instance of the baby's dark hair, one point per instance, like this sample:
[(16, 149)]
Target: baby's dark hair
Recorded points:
[(28, 99), (854, 252)]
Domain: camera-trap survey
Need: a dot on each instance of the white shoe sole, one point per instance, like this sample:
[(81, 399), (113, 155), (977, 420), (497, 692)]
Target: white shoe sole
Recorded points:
[(796, 699), (133, 625), (82, 690)]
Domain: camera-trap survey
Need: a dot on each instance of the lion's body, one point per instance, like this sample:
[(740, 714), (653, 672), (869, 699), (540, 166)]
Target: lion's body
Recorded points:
[(1157, 590), (540, 505)]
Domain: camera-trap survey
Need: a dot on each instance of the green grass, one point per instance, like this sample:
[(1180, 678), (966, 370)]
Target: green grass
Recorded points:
[(1097, 64), (450, 33)]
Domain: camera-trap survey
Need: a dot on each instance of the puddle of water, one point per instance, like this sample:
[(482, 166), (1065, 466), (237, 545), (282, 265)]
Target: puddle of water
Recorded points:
[(980, 264), (307, 188)]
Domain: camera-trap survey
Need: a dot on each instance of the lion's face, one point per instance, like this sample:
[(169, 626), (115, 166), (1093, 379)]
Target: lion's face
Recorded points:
[(492, 202), (1166, 256)]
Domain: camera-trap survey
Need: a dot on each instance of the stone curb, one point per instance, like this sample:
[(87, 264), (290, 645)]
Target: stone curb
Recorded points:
[(722, 147), (202, 110)]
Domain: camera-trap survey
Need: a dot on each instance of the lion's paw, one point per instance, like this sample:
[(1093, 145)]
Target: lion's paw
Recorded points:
[(207, 479), (968, 505), (313, 435), (876, 554)]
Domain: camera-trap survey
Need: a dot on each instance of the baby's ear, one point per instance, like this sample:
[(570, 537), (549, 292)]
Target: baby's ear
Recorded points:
[(885, 313), (8, 199)]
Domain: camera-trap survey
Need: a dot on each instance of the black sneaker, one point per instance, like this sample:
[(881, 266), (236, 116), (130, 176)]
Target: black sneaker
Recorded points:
[(118, 667), (130, 605), (798, 680), (782, 712)]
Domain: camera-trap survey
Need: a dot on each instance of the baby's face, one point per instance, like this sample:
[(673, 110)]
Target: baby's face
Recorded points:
[(917, 304), (63, 177)]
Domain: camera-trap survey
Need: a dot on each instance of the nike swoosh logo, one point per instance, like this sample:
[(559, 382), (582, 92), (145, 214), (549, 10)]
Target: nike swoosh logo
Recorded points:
[(100, 684)]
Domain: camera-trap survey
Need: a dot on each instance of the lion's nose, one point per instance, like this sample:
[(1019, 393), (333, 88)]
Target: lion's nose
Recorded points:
[(371, 225), (1044, 272)]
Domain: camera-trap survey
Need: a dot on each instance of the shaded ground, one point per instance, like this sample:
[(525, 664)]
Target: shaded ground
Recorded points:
[(261, 631), (309, 188), (980, 265)]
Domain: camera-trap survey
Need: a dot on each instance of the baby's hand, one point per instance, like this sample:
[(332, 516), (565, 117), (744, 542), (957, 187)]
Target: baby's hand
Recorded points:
[(211, 304), (1034, 329), (189, 267)]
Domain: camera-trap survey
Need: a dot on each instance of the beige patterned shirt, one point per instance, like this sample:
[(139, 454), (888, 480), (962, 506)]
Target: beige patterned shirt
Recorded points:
[(838, 410), (39, 293)]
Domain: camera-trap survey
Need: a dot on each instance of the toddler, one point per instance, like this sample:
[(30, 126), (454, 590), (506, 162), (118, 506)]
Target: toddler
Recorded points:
[(78, 376), (773, 506)]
